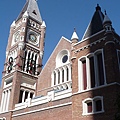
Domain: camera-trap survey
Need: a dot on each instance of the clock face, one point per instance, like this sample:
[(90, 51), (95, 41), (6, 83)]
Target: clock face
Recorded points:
[(33, 38)]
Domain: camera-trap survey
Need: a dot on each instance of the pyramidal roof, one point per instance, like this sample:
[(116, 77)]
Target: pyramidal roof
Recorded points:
[(96, 23), (32, 9)]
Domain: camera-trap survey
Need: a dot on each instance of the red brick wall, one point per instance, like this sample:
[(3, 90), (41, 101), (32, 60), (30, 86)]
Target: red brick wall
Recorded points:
[(60, 113), (44, 80)]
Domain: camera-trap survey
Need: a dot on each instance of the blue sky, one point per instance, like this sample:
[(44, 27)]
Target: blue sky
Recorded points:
[(61, 17)]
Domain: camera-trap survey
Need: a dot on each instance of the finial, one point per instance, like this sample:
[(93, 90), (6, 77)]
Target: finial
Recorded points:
[(105, 12), (74, 29), (98, 7)]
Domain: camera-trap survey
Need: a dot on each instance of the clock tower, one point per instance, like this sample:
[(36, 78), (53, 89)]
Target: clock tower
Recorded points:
[(24, 54)]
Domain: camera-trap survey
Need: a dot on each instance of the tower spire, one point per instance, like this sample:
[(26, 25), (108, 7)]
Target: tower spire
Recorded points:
[(32, 9)]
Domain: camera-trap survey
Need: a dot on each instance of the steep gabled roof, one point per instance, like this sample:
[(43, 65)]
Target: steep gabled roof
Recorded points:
[(32, 9), (96, 23)]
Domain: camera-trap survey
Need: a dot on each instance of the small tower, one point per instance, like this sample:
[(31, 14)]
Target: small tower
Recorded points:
[(74, 40), (107, 24), (24, 54), (74, 37)]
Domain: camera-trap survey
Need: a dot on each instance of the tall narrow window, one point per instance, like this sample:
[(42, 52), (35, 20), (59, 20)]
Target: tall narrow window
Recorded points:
[(100, 69), (98, 105), (92, 72), (89, 107), (34, 69), (54, 78), (24, 60), (62, 75), (26, 95), (84, 74), (20, 96), (28, 62), (31, 64), (119, 59), (67, 73), (31, 95), (58, 76)]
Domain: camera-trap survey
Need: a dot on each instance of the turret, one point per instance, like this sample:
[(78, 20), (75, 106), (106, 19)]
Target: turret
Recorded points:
[(74, 37), (107, 24)]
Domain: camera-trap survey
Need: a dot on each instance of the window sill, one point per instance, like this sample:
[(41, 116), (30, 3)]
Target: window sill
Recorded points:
[(98, 112)]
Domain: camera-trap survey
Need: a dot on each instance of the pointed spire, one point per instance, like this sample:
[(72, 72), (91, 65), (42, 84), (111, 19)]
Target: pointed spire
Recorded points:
[(43, 24), (31, 8), (25, 14), (106, 19), (96, 24), (13, 24), (74, 36)]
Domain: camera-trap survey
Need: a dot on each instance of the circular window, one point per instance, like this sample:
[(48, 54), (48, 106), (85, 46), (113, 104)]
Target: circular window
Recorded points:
[(64, 59)]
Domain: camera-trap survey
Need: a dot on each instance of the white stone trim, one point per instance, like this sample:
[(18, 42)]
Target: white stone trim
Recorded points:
[(5, 100), (89, 45), (8, 100), (95, 88), (3, 118), (2, 101), (42, 109), (59, 57)]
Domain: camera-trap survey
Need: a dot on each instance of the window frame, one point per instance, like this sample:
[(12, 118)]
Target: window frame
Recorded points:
[(80, 76), (93, 101)]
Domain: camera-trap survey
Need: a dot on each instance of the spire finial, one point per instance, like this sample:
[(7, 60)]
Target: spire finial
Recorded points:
[(105, 12), (98, 7), (74, 29)]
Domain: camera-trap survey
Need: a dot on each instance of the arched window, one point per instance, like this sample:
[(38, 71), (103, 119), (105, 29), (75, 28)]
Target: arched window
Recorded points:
[(67, 70), (54, 78), (62, 58), (93, 105), (62, 75), (58, 77), (91, 70)]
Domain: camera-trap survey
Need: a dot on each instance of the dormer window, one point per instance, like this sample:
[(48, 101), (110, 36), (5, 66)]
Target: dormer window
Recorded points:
[(34, 12)]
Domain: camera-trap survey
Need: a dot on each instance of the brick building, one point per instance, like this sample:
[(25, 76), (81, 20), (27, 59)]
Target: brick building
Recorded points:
[(80, 80)]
